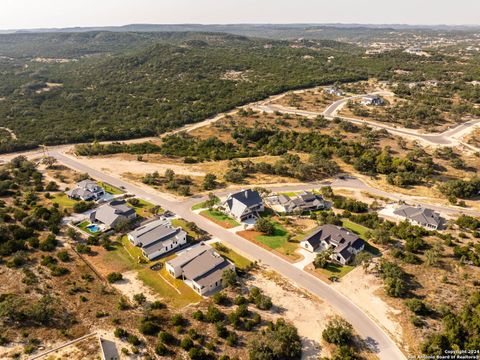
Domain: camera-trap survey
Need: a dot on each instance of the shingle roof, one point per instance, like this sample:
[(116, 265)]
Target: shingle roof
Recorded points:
[(111, 212), (419, 214), (202, 264), (151, 232), (237, 203), (334, 235), (163, 242), (189, 255)]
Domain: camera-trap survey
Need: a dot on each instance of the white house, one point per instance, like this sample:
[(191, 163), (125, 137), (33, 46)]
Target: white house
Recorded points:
[(345, 244), (200, 267), (157, 237), (372, 100), (243, 205), (420, 216), (86, 190)]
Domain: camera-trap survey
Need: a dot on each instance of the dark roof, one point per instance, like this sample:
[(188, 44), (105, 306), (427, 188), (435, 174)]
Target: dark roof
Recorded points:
[(334, 235), (247, 197)]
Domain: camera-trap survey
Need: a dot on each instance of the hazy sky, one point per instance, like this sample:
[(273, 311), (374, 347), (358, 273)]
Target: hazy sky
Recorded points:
[(16, 14)]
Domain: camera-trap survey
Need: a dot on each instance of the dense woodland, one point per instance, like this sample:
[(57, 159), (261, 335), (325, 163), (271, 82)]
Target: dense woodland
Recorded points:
[(143, 84)]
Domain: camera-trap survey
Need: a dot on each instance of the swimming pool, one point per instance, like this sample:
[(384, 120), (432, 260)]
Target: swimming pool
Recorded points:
[(93, 228)]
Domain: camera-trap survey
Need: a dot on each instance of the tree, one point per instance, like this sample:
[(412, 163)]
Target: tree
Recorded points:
[(338, 332), (279, 341), (265, 226), (49, 161), (323, 258), (209, 182), (169, 175), (229, 278)]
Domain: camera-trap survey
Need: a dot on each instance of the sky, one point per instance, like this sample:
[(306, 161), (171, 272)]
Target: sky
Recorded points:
[(22, 14)]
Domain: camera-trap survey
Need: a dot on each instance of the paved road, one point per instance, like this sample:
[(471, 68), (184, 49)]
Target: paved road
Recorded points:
[(377, 339), (447, 138)]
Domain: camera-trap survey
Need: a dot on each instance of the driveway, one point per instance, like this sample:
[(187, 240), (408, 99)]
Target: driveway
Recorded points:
[(308, 258)]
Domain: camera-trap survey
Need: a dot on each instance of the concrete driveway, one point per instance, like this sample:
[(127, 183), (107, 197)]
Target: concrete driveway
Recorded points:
[(308, 258)]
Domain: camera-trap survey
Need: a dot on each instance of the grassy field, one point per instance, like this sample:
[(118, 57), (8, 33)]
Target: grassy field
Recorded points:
[(239, 261), (144, 208), (63, 200), (220, 218), (278, 241), (110, 188), (184, 225)]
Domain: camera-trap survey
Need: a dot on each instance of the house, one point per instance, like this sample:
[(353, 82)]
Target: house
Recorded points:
[(420, 216), (157, 237), (344, 243), (200, 267), (306, 201), (108, 349), (334, 91), (243, 205), (372, 100), (113, 213), (86, 190)]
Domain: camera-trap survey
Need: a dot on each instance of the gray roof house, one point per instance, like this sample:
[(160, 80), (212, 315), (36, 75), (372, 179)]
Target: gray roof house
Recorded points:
[(200, 267), (372, 100), (344, 243), (420, 216), (334, 91), (86, 190), (245, 204), (306, 201), (157, 237), (113, 213)]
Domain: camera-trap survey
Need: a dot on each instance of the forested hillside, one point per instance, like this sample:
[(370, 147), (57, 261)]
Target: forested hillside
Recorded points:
[(163, 86), (79, 87)]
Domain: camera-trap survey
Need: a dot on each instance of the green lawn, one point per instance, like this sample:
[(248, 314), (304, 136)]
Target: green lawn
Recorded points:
[(184, 225), (361, 231), (279, 242), (220, 218), (336, 270), (240, 262), (63, 200), (127, 257), (290, 194), (143, 208), (110, 188)]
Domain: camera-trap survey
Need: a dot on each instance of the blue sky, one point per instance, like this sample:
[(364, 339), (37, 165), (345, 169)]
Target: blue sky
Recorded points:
[(16, 14)]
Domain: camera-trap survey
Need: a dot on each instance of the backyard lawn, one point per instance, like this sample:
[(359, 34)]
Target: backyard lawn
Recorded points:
[(144, 208), (361, 231), (110, 189), (63, 200), (127, 257), (220, 218), (240, 262), (278, 241)]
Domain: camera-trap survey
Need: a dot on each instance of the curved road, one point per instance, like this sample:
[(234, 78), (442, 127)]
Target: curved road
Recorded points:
[(374, 336), (449, 137)]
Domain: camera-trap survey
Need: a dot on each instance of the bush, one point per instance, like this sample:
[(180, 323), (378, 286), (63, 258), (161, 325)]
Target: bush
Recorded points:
[(213, 314), (83, 249), (417, 306), (149, 328), (265, 226), (232, 339), (166, 338), (338, 332), (63, 256), (133, 339), (198, 315), (161, 349), (220, 298), (113, 277), (178, 320), (186, 343), (120, 333)]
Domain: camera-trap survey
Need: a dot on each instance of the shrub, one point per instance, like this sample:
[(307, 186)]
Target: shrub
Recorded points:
[(113, 277), (213, 314), (133, 339), (178, 320), (221, 329), (417, 306), (161, 349), (166, 338), (186, 343), (63, 255), (120, 333), (338, 332), (198, 315), (220, 298), (149, 328)]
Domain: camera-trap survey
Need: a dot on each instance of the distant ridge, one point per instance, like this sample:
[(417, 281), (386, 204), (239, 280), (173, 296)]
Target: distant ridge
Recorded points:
[(242, 27)]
